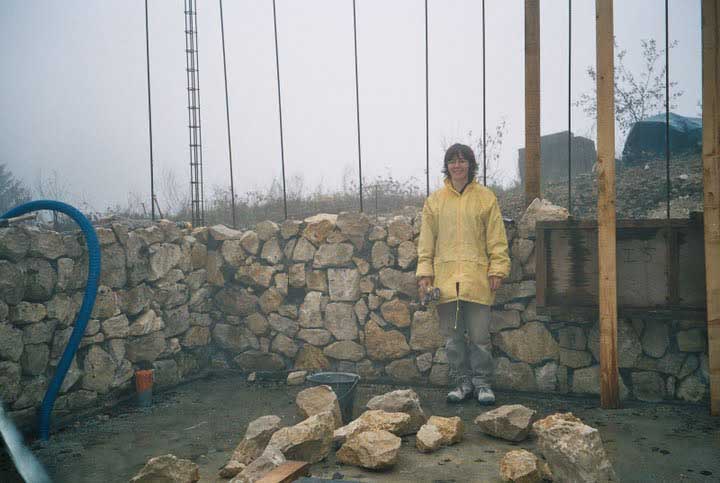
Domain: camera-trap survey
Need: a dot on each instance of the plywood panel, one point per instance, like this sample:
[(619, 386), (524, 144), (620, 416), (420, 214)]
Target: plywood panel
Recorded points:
[(691, 265), (643, 259), (642, 268)]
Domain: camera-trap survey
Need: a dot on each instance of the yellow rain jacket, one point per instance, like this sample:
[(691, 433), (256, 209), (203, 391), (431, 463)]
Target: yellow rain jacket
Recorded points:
[(462, 241)]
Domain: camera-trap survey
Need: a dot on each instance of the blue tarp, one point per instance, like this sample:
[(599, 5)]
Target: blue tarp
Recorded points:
[(646, 139)]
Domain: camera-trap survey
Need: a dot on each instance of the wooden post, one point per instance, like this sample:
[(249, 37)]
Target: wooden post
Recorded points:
[(532, 100), (606, 204), (711, 191)]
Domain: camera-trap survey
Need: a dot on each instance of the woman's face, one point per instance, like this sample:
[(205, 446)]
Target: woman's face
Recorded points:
[(459, 169)]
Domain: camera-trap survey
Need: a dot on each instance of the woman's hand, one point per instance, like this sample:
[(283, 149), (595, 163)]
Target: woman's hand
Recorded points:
[(424, 283), (495, 282)]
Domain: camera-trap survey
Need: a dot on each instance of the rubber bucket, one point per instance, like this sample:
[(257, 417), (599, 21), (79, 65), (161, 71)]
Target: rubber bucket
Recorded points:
[(343, 384)]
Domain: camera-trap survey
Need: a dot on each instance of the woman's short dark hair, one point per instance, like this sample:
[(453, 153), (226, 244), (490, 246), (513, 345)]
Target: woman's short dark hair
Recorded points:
[(464, 152)]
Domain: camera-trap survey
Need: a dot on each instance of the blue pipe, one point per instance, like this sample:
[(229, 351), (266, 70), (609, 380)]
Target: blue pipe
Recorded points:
[(87, 304)]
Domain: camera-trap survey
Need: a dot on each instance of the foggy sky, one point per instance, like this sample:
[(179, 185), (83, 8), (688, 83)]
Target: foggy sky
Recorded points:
[(74, 100)]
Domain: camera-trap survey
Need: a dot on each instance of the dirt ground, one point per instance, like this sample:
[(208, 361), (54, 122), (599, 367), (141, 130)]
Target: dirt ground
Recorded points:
[(203, 421)]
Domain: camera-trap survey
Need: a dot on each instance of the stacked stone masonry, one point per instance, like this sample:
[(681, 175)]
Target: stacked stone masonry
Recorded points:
[(333, 292)]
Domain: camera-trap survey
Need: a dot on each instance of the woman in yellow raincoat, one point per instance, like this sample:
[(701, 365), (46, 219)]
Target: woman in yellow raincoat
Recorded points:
[(463, 251)]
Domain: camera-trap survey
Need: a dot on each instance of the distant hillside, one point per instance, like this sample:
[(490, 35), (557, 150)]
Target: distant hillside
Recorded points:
[(641, 192)]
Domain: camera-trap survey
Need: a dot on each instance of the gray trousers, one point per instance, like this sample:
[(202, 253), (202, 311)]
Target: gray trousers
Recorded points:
[(470, 361)]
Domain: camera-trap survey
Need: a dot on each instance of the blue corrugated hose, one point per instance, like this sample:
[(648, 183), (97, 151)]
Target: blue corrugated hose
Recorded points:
[(87, 303)]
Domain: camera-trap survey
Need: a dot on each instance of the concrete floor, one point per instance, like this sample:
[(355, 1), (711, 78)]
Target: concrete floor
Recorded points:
[(204, 420)]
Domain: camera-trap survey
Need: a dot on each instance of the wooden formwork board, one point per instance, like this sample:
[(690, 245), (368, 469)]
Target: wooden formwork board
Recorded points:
[(532, 100), (607, 283), (711, 187)]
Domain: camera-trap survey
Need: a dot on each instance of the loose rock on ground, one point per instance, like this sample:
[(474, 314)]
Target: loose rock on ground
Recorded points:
[(511, 422), (371, 449)]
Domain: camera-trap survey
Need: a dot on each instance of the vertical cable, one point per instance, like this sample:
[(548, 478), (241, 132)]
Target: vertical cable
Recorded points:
[(152, 170), (483, 99), (282, 147), (569, 107), (357, 105), (427, 108), (227, 114), (667, 110)]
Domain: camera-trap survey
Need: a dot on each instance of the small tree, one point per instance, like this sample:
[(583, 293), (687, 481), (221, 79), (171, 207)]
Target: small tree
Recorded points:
[(638, 95), (12, 191)]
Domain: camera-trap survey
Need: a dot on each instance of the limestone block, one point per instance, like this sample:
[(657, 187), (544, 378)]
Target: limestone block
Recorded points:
[(407, 254), (234, 300), (425, 331), (250, 241), (234, 338), (397, 312), (256, 438), (11, 342), (333, 255), (693, 340), (34, 359), (573, 450), (371, 449), (531, 343), (402, 401), (317, 400), (341, 321), (317, 337), (40, 279), (375, 420), (290, 228), (309, 440), (311, 358), (168, 468), (521, 466), (284, 345), (283, 325), (381, 256), (345, 350), (99, 370), (344, 284), (539, 210), (271, 252), (384, 345), (255, 360), (196, 336), (403, 370), (403, 282), (511, 422)]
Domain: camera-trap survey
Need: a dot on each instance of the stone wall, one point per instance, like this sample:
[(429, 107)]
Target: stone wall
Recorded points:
[(333, 292)]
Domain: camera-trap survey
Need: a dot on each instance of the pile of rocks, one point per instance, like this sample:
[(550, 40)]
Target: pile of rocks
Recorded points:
[(571, 451), (371, 441)]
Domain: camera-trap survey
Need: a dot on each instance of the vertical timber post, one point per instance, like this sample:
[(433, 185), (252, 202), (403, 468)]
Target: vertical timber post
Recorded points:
[(532, 100), (609, 394), (711, 191)]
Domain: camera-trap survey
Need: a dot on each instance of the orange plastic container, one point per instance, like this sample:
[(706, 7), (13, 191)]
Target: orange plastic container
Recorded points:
[(143, 386)]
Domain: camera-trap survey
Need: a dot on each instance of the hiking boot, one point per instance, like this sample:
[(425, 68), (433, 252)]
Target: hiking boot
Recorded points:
[(485, 395), (460, 393)]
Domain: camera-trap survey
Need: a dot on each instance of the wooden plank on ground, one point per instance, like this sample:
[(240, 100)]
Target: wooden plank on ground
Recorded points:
[(532, 100), (609, 394), (286, 472), (711, 188)]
